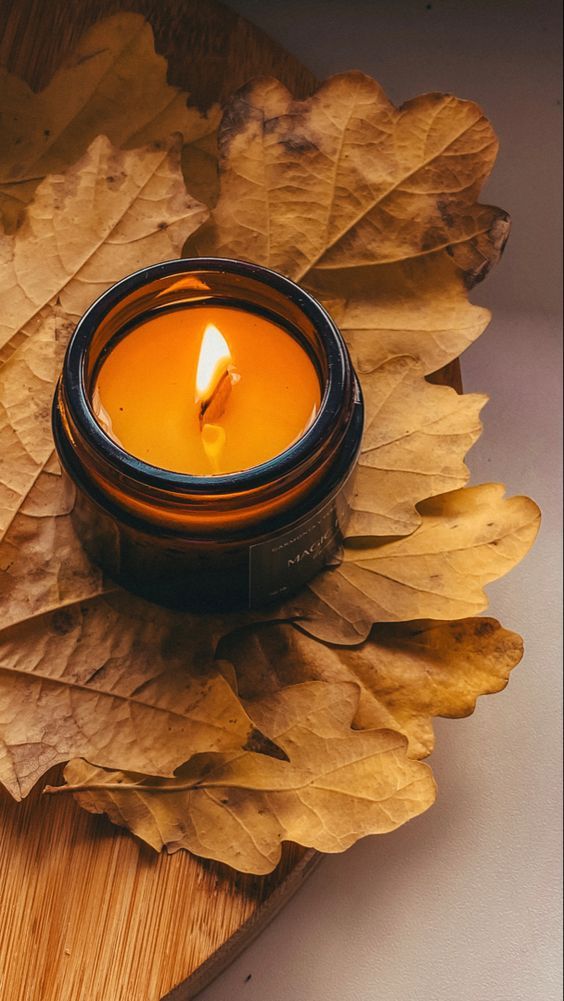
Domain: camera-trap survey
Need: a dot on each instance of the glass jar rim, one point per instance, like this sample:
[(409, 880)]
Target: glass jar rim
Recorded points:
[(125, 464)]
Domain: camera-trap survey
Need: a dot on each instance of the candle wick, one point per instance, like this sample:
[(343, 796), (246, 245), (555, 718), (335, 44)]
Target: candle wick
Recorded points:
[(213, 407)]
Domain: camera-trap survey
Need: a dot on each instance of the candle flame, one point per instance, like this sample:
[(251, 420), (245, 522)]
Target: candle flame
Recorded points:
[(213, 363)]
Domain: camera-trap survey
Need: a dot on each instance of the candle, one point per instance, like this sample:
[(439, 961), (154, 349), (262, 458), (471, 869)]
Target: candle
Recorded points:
[(209, 419), (206, 390)]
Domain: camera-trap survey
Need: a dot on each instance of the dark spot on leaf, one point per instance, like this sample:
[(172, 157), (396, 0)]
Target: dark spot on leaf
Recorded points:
[(260, 744), (444, 213), (247, 978), (468, 277), (162, 225), (235, 117), (62, 622), (484, 628), (483, 251), (271, 124), (115, 181), (432, 239), (46, 132)]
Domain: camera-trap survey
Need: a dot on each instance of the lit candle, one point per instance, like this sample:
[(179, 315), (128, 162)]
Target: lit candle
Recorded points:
[(210, 420), (206, 390)]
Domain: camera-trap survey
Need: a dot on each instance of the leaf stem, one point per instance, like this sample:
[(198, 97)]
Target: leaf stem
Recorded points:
[(121, 786)]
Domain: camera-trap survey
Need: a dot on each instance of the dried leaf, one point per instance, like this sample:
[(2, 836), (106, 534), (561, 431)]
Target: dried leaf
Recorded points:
[(43, 567), (375, 210), (86, 668), (346, 179), (415, 438), (116, 680), (89, 227), (44, 571), (417, 307), (114, 83), (467, 539), (408, 672), (106, 217), (326, 189), (337, 786), (111, 683)]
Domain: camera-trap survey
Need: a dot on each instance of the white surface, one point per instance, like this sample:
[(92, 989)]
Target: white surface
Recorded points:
[(462, 904)]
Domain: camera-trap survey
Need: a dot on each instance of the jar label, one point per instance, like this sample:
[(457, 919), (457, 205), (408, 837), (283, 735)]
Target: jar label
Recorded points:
[(285, 562)]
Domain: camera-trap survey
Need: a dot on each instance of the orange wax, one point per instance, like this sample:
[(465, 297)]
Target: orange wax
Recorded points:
[(145, 393)]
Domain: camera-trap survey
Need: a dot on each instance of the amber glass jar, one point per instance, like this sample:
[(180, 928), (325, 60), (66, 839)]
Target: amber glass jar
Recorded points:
[(227, 541)]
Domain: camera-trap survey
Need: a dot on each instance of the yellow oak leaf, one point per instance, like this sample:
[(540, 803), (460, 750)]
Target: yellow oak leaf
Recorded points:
[(43, 568), (99, 673), (110, 683), (86, 668), (113, 82), (346, 179), (408, 672), (337, 785), (417, 307), (364, 203), (413, 446), (467, 539), (107, 216), (92, 225)]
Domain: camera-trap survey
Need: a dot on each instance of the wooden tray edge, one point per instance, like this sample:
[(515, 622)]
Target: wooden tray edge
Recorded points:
[(234, 946)]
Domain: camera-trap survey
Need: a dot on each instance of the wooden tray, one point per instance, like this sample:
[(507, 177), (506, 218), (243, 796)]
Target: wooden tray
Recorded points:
[(86, 912)]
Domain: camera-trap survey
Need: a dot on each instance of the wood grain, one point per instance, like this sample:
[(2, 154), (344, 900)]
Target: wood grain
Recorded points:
[(210, 49), (86, 912), (89, 914)]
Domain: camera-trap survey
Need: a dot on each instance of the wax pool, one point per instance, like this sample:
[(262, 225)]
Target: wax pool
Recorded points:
[(145, 392)]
